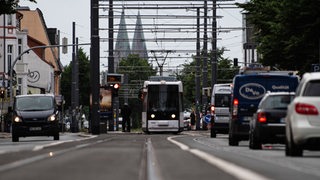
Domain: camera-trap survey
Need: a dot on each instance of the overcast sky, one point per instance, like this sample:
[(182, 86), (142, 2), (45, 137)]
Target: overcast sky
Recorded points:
[(61, 13)]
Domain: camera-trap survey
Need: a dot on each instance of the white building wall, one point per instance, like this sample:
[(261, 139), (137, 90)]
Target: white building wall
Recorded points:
[(32, 72)]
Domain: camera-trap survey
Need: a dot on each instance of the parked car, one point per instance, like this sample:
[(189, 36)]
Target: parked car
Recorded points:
[(303, 118), (268, 122), (35, 115), (186, 120)]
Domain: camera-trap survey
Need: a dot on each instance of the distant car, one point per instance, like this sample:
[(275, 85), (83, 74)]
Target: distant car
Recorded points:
[(186, 120), (268, 123), (303, 117)]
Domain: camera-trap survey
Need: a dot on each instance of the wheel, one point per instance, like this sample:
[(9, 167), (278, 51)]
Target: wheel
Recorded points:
[(213, 133), (56, 137), (15, 137), (233, 141), (254, 141), (292, 149)]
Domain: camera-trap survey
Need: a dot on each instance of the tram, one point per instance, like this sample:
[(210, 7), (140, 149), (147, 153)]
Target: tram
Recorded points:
[(162, 105)]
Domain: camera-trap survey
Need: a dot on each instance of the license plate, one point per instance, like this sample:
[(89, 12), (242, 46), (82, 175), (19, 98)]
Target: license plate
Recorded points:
[(247, 118), (35, 128)]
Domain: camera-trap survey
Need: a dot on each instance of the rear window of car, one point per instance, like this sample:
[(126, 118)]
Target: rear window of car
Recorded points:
[(222, 100), (312, 88), (277, 102)]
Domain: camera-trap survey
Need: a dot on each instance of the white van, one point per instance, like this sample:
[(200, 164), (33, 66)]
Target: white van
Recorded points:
[(220, 107)]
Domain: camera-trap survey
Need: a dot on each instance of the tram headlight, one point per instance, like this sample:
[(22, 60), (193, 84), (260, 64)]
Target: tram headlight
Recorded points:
[(173, 116), (152, 116)]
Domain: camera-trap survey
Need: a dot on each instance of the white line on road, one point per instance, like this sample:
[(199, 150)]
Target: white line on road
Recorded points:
[(230, 168)]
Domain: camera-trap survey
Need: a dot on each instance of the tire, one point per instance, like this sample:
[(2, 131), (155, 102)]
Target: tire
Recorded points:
[(293, 149), (56, 137), (254, 141), (233, 141), (213, 133), (15, 137)]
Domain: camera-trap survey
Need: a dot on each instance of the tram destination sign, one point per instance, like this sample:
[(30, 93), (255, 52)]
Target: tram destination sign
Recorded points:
[(114, 78)]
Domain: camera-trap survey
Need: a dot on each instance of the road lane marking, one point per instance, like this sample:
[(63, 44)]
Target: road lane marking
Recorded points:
[(153, 171), (228, 167), (27, 161)]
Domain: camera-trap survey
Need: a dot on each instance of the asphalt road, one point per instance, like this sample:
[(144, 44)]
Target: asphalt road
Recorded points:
[(188, 156)]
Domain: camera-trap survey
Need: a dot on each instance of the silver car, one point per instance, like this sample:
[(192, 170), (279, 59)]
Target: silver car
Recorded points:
[(303, 118)]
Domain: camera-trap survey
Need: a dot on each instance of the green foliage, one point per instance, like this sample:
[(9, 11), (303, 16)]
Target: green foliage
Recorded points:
[(287, 32), (137, 70), (225, 74), (9, 6), (84, 79)]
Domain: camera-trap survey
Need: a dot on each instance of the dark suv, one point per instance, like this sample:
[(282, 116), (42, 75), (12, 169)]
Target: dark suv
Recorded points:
[(35, 115), (268, 123)]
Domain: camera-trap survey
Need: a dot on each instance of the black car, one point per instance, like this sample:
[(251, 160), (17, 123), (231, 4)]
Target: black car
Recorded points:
[(35, 115), (268, 123)]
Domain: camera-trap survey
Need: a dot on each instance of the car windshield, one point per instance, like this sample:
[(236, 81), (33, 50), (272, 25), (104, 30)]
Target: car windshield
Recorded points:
[(34, 103), (277, 102)]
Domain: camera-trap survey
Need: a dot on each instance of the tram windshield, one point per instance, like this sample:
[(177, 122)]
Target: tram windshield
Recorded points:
[(163, 98)]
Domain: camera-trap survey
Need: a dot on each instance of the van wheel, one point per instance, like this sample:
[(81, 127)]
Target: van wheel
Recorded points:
[(213, 133), (15, 137), (233, 141), (56, 137)]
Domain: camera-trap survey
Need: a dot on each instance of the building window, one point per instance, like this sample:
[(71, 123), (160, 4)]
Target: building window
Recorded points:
[(19, 47), (9, 19), (9, 55)]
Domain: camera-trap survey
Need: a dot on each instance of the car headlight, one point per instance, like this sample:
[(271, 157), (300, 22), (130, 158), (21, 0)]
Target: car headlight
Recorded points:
[(173, 116), (52, 117), (17, 119), (153, 116)]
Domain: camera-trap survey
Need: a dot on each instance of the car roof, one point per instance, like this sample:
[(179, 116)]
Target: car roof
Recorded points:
[(311, 76), (279, 93), (35, 95)]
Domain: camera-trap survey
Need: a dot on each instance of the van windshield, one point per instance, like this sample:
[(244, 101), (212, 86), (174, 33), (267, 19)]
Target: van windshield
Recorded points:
[(34, 103), (222, 100)]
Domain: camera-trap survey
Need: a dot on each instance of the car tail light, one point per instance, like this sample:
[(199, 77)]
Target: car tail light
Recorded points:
[(262, 118), (235, 107), (306, 109), (212, 109)]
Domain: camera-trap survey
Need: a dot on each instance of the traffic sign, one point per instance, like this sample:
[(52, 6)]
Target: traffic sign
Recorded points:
[(315, 67)]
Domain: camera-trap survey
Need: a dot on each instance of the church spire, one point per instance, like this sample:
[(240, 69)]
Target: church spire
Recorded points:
[(139, 45), (122, 49)]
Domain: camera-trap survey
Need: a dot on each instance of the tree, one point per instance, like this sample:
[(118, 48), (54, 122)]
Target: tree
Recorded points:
[(226, 73), (10, 6), (84, 79), (137, 70), (287, 32)]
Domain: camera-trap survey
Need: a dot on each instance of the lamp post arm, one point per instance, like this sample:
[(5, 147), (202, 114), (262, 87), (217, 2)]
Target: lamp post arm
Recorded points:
[(27, 51)]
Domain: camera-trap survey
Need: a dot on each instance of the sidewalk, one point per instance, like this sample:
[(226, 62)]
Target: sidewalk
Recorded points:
[(5, 135)]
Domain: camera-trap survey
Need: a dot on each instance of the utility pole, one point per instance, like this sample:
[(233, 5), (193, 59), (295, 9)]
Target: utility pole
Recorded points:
[(95, 68), (197, 100), (214, 44), (74, 84), (110, 39), (205, 54)]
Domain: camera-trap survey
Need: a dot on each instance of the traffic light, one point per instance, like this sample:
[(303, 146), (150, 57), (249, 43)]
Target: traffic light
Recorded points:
[(116, 88), (235, 62), (2, 93)]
